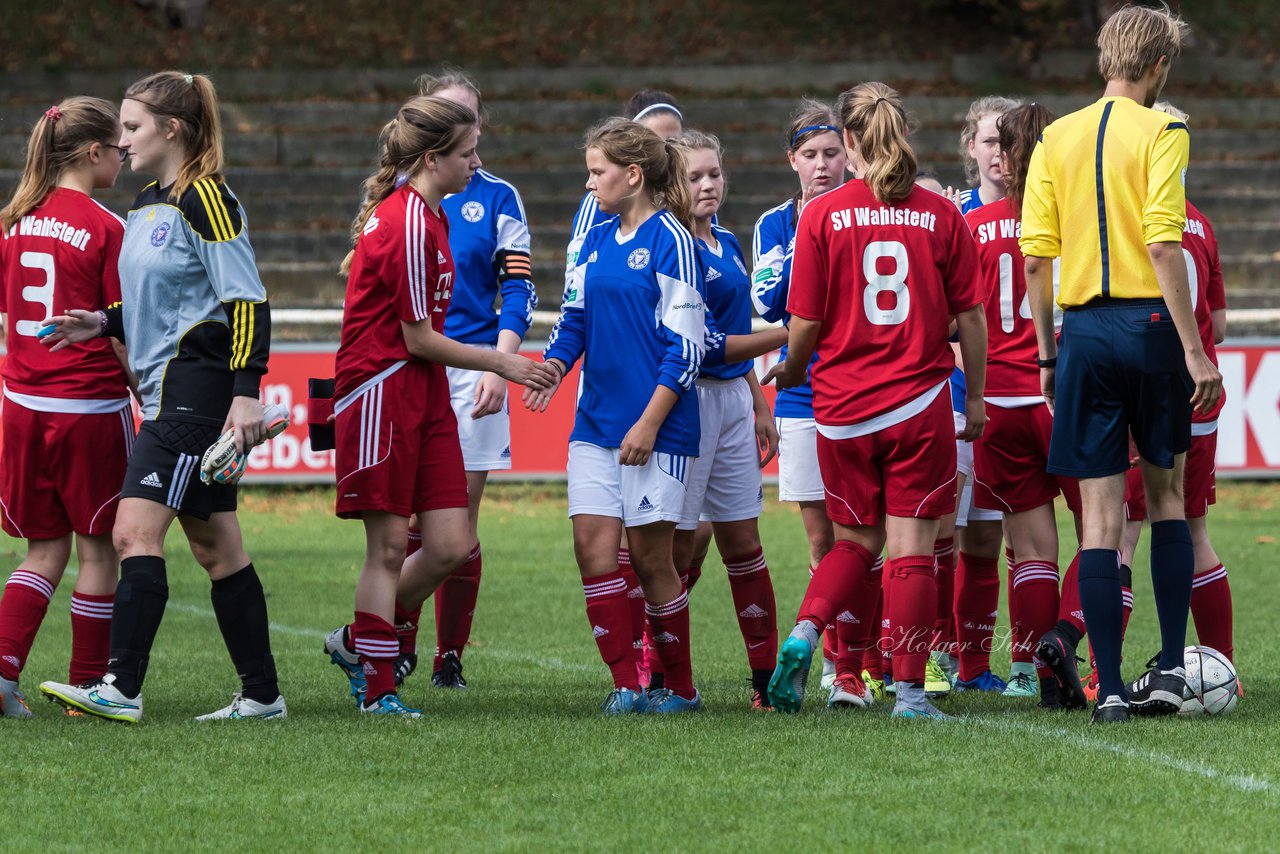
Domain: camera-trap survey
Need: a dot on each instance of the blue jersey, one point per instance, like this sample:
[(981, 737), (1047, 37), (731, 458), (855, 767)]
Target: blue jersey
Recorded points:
[(489, 239), (970, 200), (728, 289), (775, 237), (635, 307)]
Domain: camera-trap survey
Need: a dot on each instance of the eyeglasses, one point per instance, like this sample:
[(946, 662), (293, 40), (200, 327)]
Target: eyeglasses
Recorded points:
[(124, 152)]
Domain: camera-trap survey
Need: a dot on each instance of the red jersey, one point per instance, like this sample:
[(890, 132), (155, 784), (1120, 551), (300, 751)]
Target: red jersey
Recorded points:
[(1011, 336), (884, 280), (62, 255), (1204, 275), (402, 271)]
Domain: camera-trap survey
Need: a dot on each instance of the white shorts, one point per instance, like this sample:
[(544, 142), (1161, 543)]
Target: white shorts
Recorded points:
[(965, 509), (599, 485), (486, 442), (799, 478), (724, 483)]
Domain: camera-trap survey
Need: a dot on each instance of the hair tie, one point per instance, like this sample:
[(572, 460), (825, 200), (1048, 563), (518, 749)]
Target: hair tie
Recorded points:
[(652, 107), (809, 128), (879, 99), (191, 81), (53, 114)]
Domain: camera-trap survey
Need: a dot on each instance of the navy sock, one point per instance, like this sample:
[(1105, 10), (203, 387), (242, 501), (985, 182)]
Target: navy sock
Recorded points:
[(241, 608), (139, 607), (1099, 575), (1173, 564)]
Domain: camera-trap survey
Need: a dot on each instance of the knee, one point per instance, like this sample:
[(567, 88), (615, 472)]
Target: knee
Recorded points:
[(131, 540), (820, 542)]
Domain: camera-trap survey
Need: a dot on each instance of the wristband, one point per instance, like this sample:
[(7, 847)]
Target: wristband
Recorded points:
[(102, 317), (555, 364), (1051, 362)]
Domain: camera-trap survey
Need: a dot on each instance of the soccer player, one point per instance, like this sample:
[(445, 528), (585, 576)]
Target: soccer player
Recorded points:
[(65, 414), (198, 326), (398, 453), (738, 435), (881, 267), (489, 239), (1104, 192), (980, 153), (816, 154)]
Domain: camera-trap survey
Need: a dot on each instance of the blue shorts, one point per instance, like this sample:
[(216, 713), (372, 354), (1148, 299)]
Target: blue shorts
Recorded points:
[(1121, 372)]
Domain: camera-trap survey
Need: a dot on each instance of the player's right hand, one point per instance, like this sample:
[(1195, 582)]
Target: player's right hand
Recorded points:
[(74, 327), (528, 373), (1208, 380), (1046, 386)]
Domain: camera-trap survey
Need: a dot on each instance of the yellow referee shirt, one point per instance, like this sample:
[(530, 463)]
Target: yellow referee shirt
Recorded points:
[(1104, 182)]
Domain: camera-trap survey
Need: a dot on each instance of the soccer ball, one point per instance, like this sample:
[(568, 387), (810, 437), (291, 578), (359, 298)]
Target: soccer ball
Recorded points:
[(1211, 682)]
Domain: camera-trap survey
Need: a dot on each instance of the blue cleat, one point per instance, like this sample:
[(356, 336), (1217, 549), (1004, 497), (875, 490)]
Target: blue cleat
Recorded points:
[(335, 645), (390, 706), (664, 701), (927, 712), (984, 681), (786, 686), (624, 701)]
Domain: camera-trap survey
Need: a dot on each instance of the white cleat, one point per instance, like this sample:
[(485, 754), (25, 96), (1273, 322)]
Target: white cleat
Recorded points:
[(13, 703), (242, 708), (101, 699), (849, 692)]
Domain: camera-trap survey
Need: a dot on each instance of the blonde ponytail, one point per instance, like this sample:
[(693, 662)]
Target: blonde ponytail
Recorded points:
[(873, 113)]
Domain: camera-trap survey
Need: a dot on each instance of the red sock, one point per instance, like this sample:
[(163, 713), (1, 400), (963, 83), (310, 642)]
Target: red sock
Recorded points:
[(90, 636), (912, 612), (1035, 589), (692, 574), (456, 607), (886, 642), (670, 624), (407, 628), (752, 590), (375, 640), (635, 600), (22, 609), (944, 552), (1069, 607), (1018, 651), (977, 605), (839, 575), (872, 658), (1211, 609), (414, 544), (855, 625), (610, 619)]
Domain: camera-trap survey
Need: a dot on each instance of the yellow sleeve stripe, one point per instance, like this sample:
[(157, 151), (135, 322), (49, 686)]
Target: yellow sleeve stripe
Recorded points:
[(241, 335), (215, 208)]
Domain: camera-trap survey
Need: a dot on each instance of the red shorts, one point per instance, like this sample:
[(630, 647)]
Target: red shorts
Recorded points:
[(61, 472), (1199, 481), (907, 469), (1010, 460), (397, 445)]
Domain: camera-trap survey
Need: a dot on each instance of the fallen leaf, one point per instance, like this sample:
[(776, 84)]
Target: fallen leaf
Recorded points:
[(1265, 540)]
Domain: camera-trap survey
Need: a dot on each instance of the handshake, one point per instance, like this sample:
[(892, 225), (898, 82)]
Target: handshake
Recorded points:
[(222, 463)]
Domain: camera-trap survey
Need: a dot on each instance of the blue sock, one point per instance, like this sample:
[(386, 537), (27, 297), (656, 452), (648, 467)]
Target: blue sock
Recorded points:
[(1099, 575), (1173, 564)]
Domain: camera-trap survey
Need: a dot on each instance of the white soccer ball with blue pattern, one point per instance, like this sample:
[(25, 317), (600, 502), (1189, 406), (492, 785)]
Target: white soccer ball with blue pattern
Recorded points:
[(1212, 684)]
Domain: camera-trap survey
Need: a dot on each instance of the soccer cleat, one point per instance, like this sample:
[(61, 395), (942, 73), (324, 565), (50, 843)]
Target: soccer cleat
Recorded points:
[(347, 660), (450, 673), (1059, 655), (787, 684), (849, 692), (936, 682), (1049, 698), (760, 700), (100, 699), (875, 686), (13, 703), (389, 705), (1091, 687), (624, 701), (1157, 692), (984, 681), (949, 664), (406, 663), (925, 711), (242, 708), (1112, 710), (828, 673), (1022, 681), (889, 686), (664, 701)]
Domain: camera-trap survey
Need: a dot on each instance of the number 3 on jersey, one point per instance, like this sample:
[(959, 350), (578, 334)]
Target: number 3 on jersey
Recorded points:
[(41, 295), (879, 283)]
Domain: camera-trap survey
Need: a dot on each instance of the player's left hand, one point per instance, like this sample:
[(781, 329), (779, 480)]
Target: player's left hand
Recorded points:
[(637, 445), (245, 418), (491, 394), (975, 420), (778, 376), (766, 436), (74, 327), (1046, 386), (1208, 380)]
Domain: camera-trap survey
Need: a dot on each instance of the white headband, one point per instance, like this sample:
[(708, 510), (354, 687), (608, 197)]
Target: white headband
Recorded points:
[(652, 107)]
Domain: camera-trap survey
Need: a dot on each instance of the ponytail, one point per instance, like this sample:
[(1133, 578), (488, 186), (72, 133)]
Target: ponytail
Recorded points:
[(193, 101), (1020, 130), (873, 113), (60, 137), (661, 163), (672, 191)]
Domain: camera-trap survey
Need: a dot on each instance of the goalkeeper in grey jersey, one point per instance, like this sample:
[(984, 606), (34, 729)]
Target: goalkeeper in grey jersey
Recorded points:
[(197, 324)]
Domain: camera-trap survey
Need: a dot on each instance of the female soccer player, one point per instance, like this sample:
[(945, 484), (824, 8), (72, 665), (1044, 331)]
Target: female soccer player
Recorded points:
[(198, 327), (817, 156), (65, 414), (738, 435), (880, 268), (489, 239), (398, 454), (980, 153)]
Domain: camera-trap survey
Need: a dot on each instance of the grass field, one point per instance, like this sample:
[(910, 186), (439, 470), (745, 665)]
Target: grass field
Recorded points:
[(522, 760)]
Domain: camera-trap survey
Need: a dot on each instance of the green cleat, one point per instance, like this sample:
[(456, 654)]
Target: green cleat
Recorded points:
[(936, 681), (786, 686), (1022, 681), (875, 686)]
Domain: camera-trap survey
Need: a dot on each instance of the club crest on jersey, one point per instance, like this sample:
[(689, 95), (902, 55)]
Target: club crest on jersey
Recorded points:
[(160, 234), (638, 259), (473, 211), (741, 267)]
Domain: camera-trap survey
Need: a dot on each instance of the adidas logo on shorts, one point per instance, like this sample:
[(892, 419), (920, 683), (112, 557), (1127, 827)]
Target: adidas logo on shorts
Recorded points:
[(846, 617), (666, 637), (598, 631), (635, 593), (152, 479), (644, 506), (753, 611), (439, 257)]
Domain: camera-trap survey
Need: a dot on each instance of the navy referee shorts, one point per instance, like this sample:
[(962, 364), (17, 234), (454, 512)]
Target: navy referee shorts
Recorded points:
[(1121, 372)]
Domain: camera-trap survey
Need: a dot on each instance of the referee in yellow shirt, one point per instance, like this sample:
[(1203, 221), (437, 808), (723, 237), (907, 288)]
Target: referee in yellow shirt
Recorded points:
[(1105, 194)]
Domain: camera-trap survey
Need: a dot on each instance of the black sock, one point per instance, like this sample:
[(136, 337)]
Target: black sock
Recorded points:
[(658, 680), (1126, 576), (135, 619), (241, 609), (1173, 564), (1069, 631), (1103, 617), (760, 680)]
